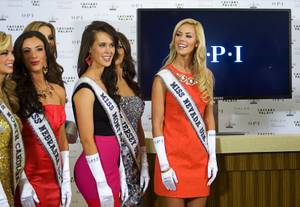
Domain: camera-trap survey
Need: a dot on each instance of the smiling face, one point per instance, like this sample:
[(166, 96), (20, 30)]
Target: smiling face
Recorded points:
[(102, 50), (34, 54), (185, 40), (6, 60)]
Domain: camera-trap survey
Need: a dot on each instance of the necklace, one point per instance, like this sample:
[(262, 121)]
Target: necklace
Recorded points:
[(186, 80), (46, 92)]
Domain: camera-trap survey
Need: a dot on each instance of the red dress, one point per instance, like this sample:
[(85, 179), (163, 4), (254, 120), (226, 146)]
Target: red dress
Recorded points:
[(185, 152), (38, 166)]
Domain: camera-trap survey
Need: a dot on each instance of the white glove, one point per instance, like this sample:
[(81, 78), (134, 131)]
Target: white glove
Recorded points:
[(28, 194), (144, 177), (212, 168), (104, 191), (124, 188), (3, 198), (66, 192), (167, 173)]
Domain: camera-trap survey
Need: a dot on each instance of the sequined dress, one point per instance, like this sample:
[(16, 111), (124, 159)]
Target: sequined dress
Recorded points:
[(133, 107), (5, 158)]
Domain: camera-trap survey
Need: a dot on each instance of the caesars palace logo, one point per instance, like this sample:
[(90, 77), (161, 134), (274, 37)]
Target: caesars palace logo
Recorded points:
[(68, 29), (297, 123), (229, 3), (265, 111), (89, 5), (296, 75), (297, 27), (35, 2), (125, 17), (15, 28)]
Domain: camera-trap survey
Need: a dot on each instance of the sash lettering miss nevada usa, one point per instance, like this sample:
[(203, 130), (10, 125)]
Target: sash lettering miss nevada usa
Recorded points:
[(187, 104)]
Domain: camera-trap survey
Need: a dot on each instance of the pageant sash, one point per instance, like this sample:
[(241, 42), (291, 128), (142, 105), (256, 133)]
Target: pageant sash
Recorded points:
[(186, 102), (46, 136), (132, 140), (118, 124), (18, 153)]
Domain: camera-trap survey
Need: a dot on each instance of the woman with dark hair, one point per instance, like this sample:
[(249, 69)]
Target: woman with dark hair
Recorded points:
[(11, 160), (48, 30), (136, 164), (46, 181), (99, 171)]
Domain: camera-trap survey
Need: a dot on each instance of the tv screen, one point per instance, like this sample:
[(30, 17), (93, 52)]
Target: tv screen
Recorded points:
[(248, 50)]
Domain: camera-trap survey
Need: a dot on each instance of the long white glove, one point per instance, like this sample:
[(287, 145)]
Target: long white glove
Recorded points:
[(28, 194), (104, 191), (3, 198), (66, 192), (212, 168), (124, 188), (167, 173), (144, 177)]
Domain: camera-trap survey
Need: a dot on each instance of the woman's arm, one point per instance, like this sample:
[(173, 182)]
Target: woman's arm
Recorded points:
[(158, 106), (84, 104)]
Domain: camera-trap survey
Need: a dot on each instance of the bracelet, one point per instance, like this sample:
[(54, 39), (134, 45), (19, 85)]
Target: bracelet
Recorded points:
[(163, 171)]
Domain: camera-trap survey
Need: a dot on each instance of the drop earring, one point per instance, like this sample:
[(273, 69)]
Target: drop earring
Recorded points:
[(45, 69), (88, 60)]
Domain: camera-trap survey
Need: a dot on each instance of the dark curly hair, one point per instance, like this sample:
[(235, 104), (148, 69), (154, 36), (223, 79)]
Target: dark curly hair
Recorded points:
[(25, 89), (108, 76), (128, 65)]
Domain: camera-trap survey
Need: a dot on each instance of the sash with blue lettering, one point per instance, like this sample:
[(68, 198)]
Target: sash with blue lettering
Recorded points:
[(46, 136), (118, 120), (18, 153), (186, 102)]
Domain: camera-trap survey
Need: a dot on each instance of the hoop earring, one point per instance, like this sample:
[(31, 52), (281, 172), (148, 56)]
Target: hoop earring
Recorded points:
[(45, 69), (88, 60)]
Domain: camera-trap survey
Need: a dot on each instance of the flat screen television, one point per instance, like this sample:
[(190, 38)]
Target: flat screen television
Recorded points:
[(248, 50)]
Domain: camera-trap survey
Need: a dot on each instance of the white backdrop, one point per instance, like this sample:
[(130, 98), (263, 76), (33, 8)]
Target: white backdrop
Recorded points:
[(70, 16)]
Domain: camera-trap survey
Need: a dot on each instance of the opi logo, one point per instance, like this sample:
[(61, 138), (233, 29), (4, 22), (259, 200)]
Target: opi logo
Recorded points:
[(76, 42), (65, 29), (265, 111), (277, 3), (76, 18), (35, 2), (297, 123), (113, 8), (27, 15), (297, 27), (229, 3), (125, 17), (218, 51), (89, 5), (15, 28)]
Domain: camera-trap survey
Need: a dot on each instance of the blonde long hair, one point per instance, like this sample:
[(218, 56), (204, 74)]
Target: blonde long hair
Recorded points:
[(199, 69), (9, 85)]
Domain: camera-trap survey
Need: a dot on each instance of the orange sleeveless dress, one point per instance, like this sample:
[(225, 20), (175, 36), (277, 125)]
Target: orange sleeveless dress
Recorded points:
[(185, 152)]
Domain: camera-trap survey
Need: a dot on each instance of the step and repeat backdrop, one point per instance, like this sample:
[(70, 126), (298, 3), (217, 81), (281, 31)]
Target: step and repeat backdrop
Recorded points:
[(262, 117)]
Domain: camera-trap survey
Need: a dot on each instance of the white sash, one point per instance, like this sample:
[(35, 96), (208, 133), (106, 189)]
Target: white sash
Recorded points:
[(186, 102), (46, 136), (121, 127), (132, 140), (18, 153)]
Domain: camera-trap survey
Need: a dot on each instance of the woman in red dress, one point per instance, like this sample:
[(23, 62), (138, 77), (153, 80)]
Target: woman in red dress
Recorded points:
[(46, 181), (186, 166)]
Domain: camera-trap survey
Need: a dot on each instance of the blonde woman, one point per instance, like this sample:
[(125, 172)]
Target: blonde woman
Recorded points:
[(183, 122), (11, 161)]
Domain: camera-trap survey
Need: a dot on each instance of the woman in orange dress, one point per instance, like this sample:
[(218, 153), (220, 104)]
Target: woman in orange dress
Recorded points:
[(185, 166), (46, 181)]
